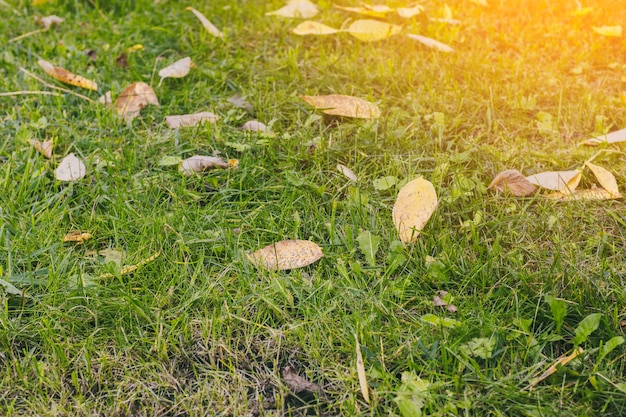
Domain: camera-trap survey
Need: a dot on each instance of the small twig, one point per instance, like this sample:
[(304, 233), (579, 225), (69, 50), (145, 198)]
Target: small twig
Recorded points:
[(65, 90), (20, 93), (25, 35)]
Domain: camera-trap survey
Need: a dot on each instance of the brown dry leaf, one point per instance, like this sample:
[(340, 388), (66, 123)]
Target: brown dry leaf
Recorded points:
[(301, 9), (210, 27), (45, 148), (200, 163), (605, 178), (178, 69), (360, 370), (368, 30), (416, 202), (134, 98), (379, 10), (409, 12), (431, 43), (298, 384), (48, 21), (254, 126), (347, 172), (286, 254), (347, 106), (188, 120), (557, 180), (438, 301), (313, 28), (588, 194), (67, 77), (513, 182), (70, 169), (561, 361), (106, 99), (613, 137), (77, 236)]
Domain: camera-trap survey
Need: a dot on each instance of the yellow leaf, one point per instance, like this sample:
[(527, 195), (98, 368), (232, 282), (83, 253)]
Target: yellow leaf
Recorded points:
[(415, 203), (347, 106), (605, 178), (360, 370), (588, 194), (372, 11), (431, 43), (210, 27), (480, 2), (611, 31), (286, 254), (70, 169), (302, 9), (313, 28), (134, 98), (67, 77), (77, 236), (45, 148), (409, 12), (187, 120), (514, 182), (136, 47), (372, 30), (178, 69), (557, 180), (200, 163)]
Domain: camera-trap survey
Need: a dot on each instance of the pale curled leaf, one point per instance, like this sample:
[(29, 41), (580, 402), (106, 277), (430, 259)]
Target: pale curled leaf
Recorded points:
[(557, 180), (67, 77), (134, 98), (415, 203), (77, 236), (432, 43), (313, 28), (347, 172), (254, 126), (298, 384), (360, 369), (613, 137), (286, 254), (347, 106), (513, 182), (587, 194), (200, 163), (605, 178), (106, 99), (368, 30), (379, 10), (178, 69), (210, 27), (409, 12), (300, 9), (70, 169), (189, 120), (45, 148), (48, 21)]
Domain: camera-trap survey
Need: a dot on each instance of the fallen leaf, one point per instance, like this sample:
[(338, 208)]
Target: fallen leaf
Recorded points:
[(122, 60), (347, 106), (313, 28), (241, 102), (347, 172), (48, 21), (605, 179), (106, 99), (415, 203), (92, 55), (368, 243), (286, 254), (561, 361), (302, 9), (379, 10), (132, 268), (613, 137), (360, 370), (67, 77), (178, 69), (384, 183), (513, 182), (443, 299), (70, 169), (134, 98), (45, 148), (200, 163), (368, 30), (610, 31), (557, 180), (582, 11), (409, 12), (254, 126), (77, 236), (431, 43), (298, 384), (188, 120), (587, 194), (210, 27)]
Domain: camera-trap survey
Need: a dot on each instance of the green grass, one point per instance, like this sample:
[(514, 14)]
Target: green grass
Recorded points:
[(199, 330)]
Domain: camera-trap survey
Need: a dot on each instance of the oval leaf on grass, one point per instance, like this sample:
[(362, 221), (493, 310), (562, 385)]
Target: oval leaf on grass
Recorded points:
[(605, 178), (588, 194), (286, 254), (67, 77), (302, 9), (178, 69), (70, 169), (431, 43), (254, 126), (189, 120), (200, 163), (416, 202), (557, 180), (513, 182), (210, 27), (347, 172), (368, 30), (313, 28), (45, 148), (134, 98), (347, 106)]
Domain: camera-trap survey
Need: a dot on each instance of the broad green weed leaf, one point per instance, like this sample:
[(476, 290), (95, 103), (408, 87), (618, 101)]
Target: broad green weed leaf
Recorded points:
[(384, 183), (368, 243), (587, 326), (609, 346), (412, 394), (479, 346), (440, 321), (10, 288), (558, 308)]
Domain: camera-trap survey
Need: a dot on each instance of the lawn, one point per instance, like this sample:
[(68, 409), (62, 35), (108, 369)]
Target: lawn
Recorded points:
[(161, 312)]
